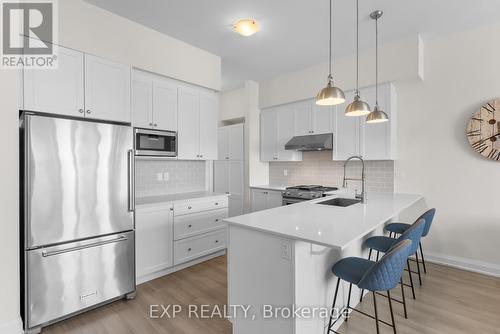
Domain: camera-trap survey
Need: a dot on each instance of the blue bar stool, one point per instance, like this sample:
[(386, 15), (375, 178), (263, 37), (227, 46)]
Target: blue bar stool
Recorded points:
[(399, 228), (384, 244), (383, 275)]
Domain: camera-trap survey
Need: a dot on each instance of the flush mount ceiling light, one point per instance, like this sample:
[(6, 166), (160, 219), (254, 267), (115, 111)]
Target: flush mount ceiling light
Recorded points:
[(330, 95), (246, 27), (357, 107), (377, 115)]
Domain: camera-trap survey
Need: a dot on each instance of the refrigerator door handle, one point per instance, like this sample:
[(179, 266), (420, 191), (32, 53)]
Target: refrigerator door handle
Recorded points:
[(76, 248), (131, 181)]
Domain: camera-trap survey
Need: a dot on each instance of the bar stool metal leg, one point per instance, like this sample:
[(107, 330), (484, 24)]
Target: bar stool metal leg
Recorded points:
[(392, 313), (330, 324), (423, 259), (363, 291), (376, 313), (418, 269), (348, 302), (403, 295), (411, 279)]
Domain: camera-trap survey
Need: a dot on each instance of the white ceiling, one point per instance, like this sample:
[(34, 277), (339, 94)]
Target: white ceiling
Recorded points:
[(294, 33)]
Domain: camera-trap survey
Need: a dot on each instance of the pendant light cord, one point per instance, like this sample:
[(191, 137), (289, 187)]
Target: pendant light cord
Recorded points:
[(357, 47), (330, 78), (376, 62)]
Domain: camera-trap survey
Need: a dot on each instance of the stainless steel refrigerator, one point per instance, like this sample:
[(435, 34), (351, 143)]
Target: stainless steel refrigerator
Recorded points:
[(77, 216)]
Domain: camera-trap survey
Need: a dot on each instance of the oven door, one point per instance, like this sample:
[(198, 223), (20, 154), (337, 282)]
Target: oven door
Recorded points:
[(155, 143)]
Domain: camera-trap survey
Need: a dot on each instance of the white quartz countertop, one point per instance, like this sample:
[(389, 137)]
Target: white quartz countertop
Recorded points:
[(326, 225), (152, 200), (269, 187)]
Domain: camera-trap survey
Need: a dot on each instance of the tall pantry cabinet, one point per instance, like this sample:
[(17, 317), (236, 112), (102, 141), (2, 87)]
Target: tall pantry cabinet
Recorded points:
[(229, 168)]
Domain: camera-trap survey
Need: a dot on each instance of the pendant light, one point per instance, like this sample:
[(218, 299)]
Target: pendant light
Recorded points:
[(330, 95), (357, 107), (377, 115)]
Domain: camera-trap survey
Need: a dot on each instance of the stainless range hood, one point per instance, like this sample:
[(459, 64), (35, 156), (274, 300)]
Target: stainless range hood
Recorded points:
[(311, 143)]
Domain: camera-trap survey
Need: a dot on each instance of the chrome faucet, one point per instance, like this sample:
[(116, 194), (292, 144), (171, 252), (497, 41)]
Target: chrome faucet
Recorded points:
[(361, 196)]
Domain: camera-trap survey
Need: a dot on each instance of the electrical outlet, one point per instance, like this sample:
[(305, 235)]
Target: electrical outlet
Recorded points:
[(285, 172), (159, 176), (286, 250), (166, 176)]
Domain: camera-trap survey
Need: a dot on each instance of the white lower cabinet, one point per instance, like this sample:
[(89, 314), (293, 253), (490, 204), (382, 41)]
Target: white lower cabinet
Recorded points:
[(228, 179), (200, 245), (199, 229), (176, 233), (154, 240), (193, 224), (263, 199)]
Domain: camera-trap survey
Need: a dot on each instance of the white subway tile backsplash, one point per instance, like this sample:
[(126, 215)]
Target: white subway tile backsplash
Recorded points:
[(318, 168), (155, 177)]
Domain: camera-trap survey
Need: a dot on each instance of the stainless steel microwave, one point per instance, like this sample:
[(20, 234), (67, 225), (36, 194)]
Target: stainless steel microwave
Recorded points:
[(155, 143)]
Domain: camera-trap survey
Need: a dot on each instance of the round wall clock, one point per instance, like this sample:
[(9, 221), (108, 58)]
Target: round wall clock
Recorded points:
[(483, 130)]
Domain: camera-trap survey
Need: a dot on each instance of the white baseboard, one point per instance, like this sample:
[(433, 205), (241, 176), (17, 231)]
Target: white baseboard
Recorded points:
[(476, 266), (163, 272), (14, 326)]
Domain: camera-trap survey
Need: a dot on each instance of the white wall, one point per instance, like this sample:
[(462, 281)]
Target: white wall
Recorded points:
[(85, 27), (399, 60), (232, 104), (9, 238), (93, 30), (435, 160)]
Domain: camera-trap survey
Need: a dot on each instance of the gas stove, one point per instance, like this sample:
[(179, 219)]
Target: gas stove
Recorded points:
[(302, 193)]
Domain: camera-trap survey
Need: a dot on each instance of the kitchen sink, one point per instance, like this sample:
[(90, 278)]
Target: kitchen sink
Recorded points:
[(342, 202)]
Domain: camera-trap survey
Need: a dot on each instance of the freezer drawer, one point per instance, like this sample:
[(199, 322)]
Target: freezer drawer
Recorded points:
[(68, 278)]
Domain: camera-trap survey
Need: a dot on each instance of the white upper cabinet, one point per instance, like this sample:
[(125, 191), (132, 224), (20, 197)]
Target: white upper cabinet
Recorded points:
[(277, 128), (372, 141), (197, 124), (347, 134), (164, 105), (230, 142), (313, 119), (83, 85), (107, 89), (154, 102), (322, 119), (142, 100), (378, 141), (208, 126), (285, 130), (57, 91), (302, 114), (268, 135), (189, 124)]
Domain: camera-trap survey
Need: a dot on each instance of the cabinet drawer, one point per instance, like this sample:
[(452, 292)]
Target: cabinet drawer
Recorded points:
[(189, 225), (67, 278), (198, 246), (198, 205)]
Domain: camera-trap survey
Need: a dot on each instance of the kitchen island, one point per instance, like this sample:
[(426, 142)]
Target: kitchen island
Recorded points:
[(281, 258)]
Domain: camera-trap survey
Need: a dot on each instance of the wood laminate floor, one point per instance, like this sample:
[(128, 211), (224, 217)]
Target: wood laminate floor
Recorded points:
[(450, 301)]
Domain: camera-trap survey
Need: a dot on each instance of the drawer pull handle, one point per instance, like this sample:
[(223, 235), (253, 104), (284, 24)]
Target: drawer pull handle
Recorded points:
[(189, 208), (189, 249), (86, 295), (216, 241), (216, 203), (190, 225), (217, 220), (46, 253)]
